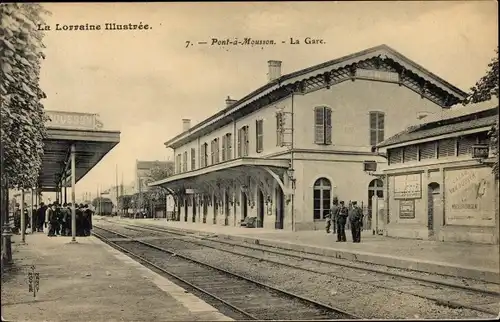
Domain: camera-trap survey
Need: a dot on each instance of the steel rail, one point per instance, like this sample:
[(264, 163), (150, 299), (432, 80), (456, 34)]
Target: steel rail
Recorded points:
[(448, 303), (264, 285), (374, 270), (142, 259)]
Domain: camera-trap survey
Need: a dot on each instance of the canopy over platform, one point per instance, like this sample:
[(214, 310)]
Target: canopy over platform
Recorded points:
[(81, 131), (243, 174)]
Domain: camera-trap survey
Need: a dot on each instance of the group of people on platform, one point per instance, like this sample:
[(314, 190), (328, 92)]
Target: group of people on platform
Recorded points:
[(56, 219), (338, 217)]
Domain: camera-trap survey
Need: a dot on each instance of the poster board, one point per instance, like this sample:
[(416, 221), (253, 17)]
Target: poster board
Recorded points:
[(469, 197), (408, 186)]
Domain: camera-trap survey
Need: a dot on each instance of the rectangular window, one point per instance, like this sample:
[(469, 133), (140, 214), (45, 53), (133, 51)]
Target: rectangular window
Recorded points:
[(243, 141), (377, 125), (240, 138), (410, 153), (185, 162), (322, 125), (229, 146), (395, 155), (215, 151), (259, 133), (427, 151), (204, 155), (224, 142), (446, 148), (178, 163), (193, 159)]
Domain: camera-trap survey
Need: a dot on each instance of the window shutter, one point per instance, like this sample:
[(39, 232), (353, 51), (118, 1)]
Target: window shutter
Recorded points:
[(319, 122), (428, 151), (410, 153), (465, 144), (328, 126), (224, 148), (395, 155), (373, 128), (239, 142), (245, 140), (257, 148), (229, 146), (193, 159), (446, 148)]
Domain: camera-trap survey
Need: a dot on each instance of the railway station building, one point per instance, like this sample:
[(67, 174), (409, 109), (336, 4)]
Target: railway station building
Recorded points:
[(441, 184), (284, 151)]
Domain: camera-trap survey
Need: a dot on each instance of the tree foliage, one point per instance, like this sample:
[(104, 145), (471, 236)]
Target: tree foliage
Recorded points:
[(125, 201), (22, 113), (485, 89), (158, 194)]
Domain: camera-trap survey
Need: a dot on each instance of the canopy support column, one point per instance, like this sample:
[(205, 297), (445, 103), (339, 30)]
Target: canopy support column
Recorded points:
[(65, 194), (73, 183), (32, 214), (23, 219)]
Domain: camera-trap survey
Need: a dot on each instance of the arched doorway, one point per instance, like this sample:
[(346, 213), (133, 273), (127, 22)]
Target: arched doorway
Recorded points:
[(375, 200), (193, 202), (206, 200), (433, 208), (260, 209), (280, 209), (322, 198), (216, 210)]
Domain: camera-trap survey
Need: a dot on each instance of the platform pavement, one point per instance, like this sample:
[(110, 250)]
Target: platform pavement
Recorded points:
[(466, 260), (91, 281)]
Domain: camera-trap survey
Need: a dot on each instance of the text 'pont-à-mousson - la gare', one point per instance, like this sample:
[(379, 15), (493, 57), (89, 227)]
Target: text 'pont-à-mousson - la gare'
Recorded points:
[(248, 41)]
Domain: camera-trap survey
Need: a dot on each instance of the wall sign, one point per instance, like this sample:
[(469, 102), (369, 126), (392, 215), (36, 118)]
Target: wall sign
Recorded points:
[(71, 120), (407, 209), (377, 75), (480, 151), (408, 186), (369, 166), (469, 197)]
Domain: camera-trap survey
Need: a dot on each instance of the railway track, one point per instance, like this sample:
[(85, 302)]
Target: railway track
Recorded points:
[(251, 299), (442, 293)]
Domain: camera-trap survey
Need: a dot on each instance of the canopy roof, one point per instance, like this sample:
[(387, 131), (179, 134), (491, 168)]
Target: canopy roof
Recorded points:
[(91, 145)]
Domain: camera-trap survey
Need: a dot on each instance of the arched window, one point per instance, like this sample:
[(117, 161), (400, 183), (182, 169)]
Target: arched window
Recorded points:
[(376, 187), (322, 198)]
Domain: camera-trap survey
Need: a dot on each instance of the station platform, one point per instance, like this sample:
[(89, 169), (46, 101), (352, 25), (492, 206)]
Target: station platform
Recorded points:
[(91, 281), (476, 261)]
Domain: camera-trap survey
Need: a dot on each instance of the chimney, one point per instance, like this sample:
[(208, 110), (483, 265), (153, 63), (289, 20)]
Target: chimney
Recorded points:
[(274, 71), (230, 101), (186, 125)]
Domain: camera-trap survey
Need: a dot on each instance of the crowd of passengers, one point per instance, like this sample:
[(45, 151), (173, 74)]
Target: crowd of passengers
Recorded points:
[(55, 219)]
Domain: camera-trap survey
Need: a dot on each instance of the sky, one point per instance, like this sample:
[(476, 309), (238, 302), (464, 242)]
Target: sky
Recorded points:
[(144, 82)]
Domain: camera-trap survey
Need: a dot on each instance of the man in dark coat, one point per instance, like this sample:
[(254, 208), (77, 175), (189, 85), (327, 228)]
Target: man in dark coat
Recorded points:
[(79, 220), (68, 219), (356, 219), (52, 217), (341, 221), (333, 216), (40, 215)]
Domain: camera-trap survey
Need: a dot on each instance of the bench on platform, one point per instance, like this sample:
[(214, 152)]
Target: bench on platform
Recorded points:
[(248, 222)]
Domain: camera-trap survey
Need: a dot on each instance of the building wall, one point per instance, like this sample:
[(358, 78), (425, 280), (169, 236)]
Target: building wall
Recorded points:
[(466, 203), (350, 112), (267, 114), (348, 183), (341, 162)]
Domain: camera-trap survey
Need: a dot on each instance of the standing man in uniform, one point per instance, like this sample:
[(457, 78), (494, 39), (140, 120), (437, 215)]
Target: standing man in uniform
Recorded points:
[(334, 215), (356, 218), (341, 221)]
